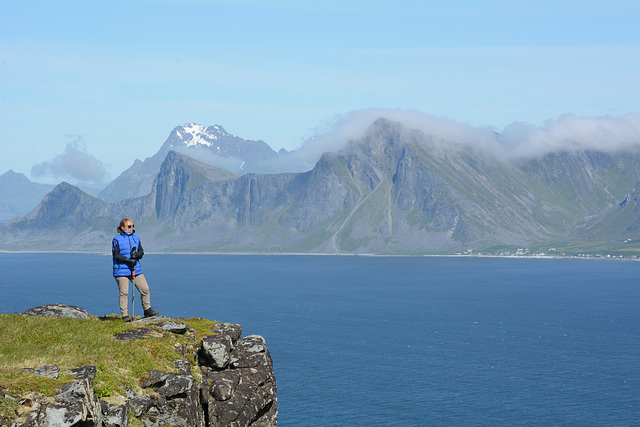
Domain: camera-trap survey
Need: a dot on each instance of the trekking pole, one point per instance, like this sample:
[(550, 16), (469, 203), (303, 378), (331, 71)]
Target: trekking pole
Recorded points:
[(133, 291)]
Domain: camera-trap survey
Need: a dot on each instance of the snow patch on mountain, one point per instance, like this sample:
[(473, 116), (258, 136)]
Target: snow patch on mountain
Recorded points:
[(195, 135)]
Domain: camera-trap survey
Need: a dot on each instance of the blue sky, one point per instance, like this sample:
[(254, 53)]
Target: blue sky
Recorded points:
[(108, 81)]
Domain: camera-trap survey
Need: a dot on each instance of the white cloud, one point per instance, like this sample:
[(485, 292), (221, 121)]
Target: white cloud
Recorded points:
[(352, 126), (567, 133), (571, 133), (75, 164)]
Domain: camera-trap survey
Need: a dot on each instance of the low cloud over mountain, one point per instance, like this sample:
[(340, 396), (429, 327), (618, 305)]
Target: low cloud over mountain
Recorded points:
[(74, 164), (566, 133)]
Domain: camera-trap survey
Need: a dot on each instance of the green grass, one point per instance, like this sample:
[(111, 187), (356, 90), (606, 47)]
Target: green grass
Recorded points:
[(31, 342)]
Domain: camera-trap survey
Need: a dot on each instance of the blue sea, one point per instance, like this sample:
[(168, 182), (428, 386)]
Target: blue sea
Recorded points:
[(396, 341)]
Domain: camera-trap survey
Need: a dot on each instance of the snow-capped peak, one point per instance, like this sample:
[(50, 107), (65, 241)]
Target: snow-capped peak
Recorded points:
[(194, 134)]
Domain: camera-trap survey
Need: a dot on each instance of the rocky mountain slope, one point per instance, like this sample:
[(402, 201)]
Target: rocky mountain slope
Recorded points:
[(213, 143), (394, 191)]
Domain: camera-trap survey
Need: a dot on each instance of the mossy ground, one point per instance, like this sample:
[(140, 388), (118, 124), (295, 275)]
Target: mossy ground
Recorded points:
[(31, 342)]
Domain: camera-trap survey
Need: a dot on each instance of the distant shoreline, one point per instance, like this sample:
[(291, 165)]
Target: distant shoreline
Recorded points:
[(584, 257)]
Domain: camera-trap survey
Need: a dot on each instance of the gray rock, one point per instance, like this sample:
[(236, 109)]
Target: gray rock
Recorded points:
[(251, 351), (155, 377), (76, 404), (183, 365), (83, 372), (51, 371), (140, 405), (245, 393), (217, 351), (240, 397), (173, 326), (81, 394), (223, 389), (233, 331), (176, 385), (149, 320), (177, 402), (115, 411), (58, 310)]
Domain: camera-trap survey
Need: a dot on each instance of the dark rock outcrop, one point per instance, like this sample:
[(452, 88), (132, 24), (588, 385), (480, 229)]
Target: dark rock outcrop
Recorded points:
[(243, 391), (232, 384), (176, 401), (138, 334)]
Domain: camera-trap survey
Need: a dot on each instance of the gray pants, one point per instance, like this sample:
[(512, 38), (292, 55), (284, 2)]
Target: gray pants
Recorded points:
[(143, 287)]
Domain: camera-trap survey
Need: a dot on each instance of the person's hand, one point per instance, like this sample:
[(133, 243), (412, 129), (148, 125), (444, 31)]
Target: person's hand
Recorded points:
[(134, 253), (131, 262)]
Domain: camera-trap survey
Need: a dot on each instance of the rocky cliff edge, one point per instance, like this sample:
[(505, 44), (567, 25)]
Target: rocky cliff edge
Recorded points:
[(228, 380)]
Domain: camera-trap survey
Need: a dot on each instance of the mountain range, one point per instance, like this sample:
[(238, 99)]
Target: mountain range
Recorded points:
[(394, 191), (18, 195), (212, 143)]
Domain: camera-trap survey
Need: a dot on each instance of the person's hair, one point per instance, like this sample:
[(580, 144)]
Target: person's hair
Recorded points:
[(123, 221)]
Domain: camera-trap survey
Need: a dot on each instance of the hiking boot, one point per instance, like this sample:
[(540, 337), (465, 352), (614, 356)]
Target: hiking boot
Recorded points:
[(150, 312), (127, 318)]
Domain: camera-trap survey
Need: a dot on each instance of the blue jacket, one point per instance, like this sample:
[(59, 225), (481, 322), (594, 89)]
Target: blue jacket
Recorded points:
[(121, 251)]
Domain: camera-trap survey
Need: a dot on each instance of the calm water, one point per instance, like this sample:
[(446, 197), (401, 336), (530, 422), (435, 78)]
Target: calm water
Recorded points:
[(360, 341)]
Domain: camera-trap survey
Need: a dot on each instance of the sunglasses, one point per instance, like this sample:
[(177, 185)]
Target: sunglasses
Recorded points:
[(130, 226)]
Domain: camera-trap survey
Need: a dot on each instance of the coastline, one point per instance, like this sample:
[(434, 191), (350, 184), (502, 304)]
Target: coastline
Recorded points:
[(479, 255)]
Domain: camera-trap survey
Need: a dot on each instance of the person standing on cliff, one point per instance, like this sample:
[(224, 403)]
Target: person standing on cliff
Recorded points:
[(126, 250)]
